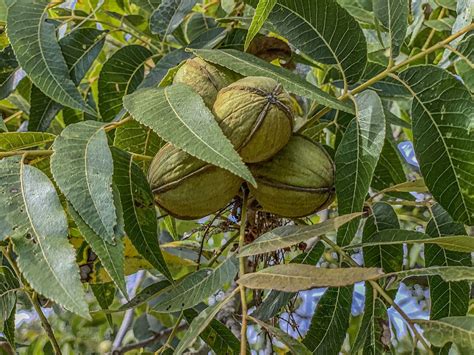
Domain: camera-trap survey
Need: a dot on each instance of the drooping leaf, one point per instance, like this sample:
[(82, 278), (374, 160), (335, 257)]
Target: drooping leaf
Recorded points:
[(263, 9), (443, 137), (324, 31), (80, 48), (249, 65), (8, 68), (446, 273), (139, 211), (196, 287), (448, 298), (216, 335), (460, 243), (295, 346), (120, 76), (276, 300), (298, 277), (104, 294), (330, 321), (9, 284), (82, 167), (458, 330), (388, 257), (393, 15), (200, 323), (36, 48), (178, 115), (417, 185), (111, 256), (10, 141), (464, 64), (356, 158), (9, 327), (169, 15), (32, 216), (372, 337), (283, 237), (145, 295)]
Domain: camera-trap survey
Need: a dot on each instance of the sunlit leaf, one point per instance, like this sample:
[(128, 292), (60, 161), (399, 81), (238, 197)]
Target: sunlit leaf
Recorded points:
[(263, 9), (82, 167), (10, 141), (180, 117), (32, 216)]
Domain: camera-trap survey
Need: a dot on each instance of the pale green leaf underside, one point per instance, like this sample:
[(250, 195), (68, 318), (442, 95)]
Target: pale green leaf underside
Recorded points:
[(39, 54), (111, 256), (196, 287), (200, 323), (461, 243), (458, 330), (262, 11), (443, 137), (298, 277), (324, 31), (31, 214), (178, 115), (82, 167), (249, 65), (10, 141), (356, 158), (447, 273), (287, 236)]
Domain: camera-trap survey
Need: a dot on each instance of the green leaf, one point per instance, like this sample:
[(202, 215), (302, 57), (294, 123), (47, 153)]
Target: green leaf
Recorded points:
[(139, 211), (458, 330), (8, 68), (104, 294), (465, 63), (443, 137), (32, 216), (136, 138), (263, 9), (389, 257), (196, 287), (389, 171), (80, 48), (276, 300), (446, 273), (200, 323), (324, 31), (393, 15), (169, 15), (249, 65), (417, 185), (147, 5), (330, 321), (180, 117), (145, 295), (34, 41), (216, 335), (356, 158), (10, 141), (298, 277), (447, 298), (372, 337), (9, 284), (461, 243), (111, 256), (82, 167), (293, 345), (9, 327), (120, 76), (286, 236)]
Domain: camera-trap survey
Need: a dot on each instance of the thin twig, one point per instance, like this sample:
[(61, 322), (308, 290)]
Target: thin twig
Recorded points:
[(388, 71), (172, 335), (242, 260), (433, 31), (223, 248)]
